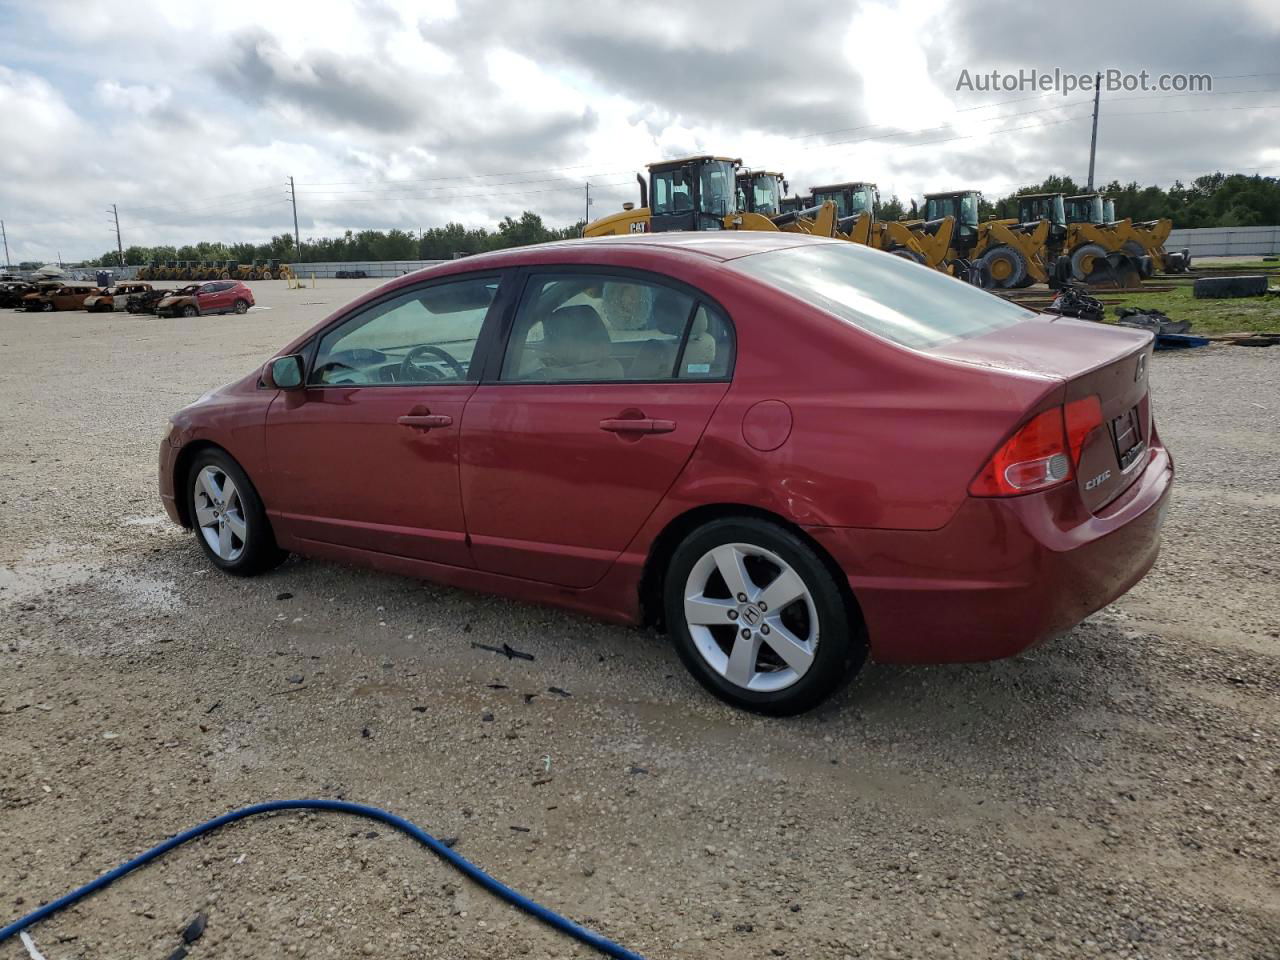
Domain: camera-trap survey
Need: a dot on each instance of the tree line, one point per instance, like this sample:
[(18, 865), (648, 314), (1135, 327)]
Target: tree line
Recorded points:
[(1214, 200), (435, 243)]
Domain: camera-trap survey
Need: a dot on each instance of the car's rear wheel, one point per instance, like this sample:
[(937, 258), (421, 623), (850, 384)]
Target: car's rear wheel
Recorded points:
[(758, 618), (227, 516), (242, 306)]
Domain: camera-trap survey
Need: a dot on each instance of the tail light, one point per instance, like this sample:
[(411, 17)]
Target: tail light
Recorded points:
[(1042, 453)]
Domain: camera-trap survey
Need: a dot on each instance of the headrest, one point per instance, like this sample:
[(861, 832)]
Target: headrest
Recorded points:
[(574, 335)]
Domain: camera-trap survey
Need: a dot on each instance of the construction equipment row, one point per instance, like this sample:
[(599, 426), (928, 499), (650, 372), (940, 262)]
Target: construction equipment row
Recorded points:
[(1053, 237), (210, 270)]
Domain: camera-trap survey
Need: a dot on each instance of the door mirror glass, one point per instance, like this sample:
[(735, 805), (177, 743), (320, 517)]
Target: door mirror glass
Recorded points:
[(284, 373)]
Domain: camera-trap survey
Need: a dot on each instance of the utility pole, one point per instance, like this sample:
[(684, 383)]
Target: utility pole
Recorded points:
[(586, 214), (1093, 141), (6, 245), (297, 241), (119, 246)]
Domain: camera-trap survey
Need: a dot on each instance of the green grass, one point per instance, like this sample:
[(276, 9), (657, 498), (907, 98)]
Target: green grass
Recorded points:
[(1206, 316)]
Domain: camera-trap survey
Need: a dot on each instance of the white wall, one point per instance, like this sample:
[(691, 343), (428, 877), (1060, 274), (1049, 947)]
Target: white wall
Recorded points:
[(1226, 241), (372, 268)]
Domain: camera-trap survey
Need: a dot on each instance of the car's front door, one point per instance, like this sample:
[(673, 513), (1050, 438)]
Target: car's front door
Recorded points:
[(211, 298), (606, 385), (366, 455)]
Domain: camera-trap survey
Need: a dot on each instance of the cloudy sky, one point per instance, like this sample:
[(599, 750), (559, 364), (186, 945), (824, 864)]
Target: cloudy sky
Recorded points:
[(192, 116)]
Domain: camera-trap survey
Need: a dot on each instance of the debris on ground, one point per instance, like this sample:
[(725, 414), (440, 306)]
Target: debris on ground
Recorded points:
[(1072, 301), (506, 650), (195, 929)]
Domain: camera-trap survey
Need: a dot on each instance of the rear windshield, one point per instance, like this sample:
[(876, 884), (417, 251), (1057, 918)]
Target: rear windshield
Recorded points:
[(887, 295)]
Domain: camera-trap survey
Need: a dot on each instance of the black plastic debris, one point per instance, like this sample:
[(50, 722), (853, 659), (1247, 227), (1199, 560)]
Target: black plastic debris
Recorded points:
[(195, 929), (506, 650)]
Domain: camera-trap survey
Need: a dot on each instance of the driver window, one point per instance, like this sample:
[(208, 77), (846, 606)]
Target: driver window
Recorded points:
[(426, 336)]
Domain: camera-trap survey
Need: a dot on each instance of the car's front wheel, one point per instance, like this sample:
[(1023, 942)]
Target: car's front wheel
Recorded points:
[(758, 618), (228, 517)]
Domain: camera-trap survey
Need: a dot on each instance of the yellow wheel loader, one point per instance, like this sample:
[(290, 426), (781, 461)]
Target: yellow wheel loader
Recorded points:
[(858, 208), (1006, 253), (1082, 232), (1147, 239), (703, 193)]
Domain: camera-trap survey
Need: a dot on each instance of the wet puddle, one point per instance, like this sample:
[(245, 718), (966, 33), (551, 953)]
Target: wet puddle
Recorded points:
[(48, 570)]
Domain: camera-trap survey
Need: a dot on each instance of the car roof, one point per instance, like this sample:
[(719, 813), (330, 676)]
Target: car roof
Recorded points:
[(714, 244)]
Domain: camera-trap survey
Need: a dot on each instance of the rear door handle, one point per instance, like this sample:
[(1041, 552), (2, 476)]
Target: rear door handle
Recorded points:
[(641, 425), (425, 421)]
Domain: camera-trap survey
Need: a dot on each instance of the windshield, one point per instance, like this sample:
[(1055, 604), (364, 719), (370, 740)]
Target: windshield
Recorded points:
[(834, 196), (671, 192), (1043, 208), (1109, 210), (1095, 209), (886, 295), (717, 188), (861, 200), (764, 194), (964, 207)]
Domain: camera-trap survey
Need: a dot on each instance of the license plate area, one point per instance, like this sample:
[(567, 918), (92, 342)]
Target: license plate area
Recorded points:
[(1126, 433)]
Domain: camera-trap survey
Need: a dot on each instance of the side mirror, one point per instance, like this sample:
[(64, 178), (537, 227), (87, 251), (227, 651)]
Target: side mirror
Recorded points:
[(283, 373)]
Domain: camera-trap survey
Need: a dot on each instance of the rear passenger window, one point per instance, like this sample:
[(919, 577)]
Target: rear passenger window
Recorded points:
[(708, 351), (597, 328)]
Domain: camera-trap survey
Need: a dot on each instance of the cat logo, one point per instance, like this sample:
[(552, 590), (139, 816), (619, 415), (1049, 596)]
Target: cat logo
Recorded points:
[(639, 226), (1098, 481)]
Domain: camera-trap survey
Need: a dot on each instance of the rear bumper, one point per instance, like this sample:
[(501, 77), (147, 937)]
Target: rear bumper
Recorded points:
[(1004, 574)]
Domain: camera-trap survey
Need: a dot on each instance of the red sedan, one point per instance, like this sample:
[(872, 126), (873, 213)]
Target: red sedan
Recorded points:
[(791, 452)]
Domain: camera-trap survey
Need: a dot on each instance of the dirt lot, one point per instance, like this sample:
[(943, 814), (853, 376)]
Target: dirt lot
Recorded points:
[(1115, 793)]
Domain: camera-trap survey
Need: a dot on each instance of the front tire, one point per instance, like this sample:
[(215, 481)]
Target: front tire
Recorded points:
[(190, 311), (758, 619), (228, 518)]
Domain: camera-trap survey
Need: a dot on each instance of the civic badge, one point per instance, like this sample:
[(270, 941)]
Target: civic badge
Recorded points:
[(1142, 367)]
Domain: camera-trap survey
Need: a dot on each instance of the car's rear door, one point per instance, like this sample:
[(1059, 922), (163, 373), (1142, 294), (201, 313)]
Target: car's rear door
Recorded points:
[(606, 384), (366, 455)]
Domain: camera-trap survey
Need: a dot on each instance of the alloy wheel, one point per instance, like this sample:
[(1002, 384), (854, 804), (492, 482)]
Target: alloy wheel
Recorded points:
[(751, 616), (220, 514)]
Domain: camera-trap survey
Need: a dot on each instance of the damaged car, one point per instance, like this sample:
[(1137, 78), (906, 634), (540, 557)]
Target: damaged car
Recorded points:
[(202, 299), (114, 298)]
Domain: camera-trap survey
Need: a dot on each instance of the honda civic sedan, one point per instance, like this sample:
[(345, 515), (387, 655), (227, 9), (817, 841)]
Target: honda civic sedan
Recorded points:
[(791, 453)]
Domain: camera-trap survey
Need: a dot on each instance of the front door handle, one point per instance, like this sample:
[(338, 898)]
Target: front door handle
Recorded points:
[(638, 425), (425, 421)]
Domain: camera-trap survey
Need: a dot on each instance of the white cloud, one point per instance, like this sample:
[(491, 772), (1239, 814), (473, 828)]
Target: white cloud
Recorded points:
[(138, 98)]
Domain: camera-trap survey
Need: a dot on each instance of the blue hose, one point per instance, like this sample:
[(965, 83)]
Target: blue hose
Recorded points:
[(588, 937)]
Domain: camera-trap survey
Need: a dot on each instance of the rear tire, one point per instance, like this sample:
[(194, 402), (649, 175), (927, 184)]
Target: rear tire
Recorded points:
[(1007, 266), (782, 660), (1085, 260), (227, 516), (241, 306)]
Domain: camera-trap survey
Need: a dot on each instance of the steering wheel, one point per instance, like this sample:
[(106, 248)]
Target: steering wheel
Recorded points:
[(327, 372), (408, 366)]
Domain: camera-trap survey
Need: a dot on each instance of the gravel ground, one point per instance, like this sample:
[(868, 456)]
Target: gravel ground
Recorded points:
[(1113, 793)]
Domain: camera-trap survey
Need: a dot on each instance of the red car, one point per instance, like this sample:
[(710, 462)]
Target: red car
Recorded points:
[(791, 452), (198, 300)]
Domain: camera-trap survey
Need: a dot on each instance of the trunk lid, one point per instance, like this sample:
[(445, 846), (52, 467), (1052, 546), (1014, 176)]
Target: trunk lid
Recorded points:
[(1090, 359)]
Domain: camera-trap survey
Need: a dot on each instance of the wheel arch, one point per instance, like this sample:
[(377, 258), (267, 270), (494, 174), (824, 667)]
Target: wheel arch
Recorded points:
[(680, 526), (182, 465)]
